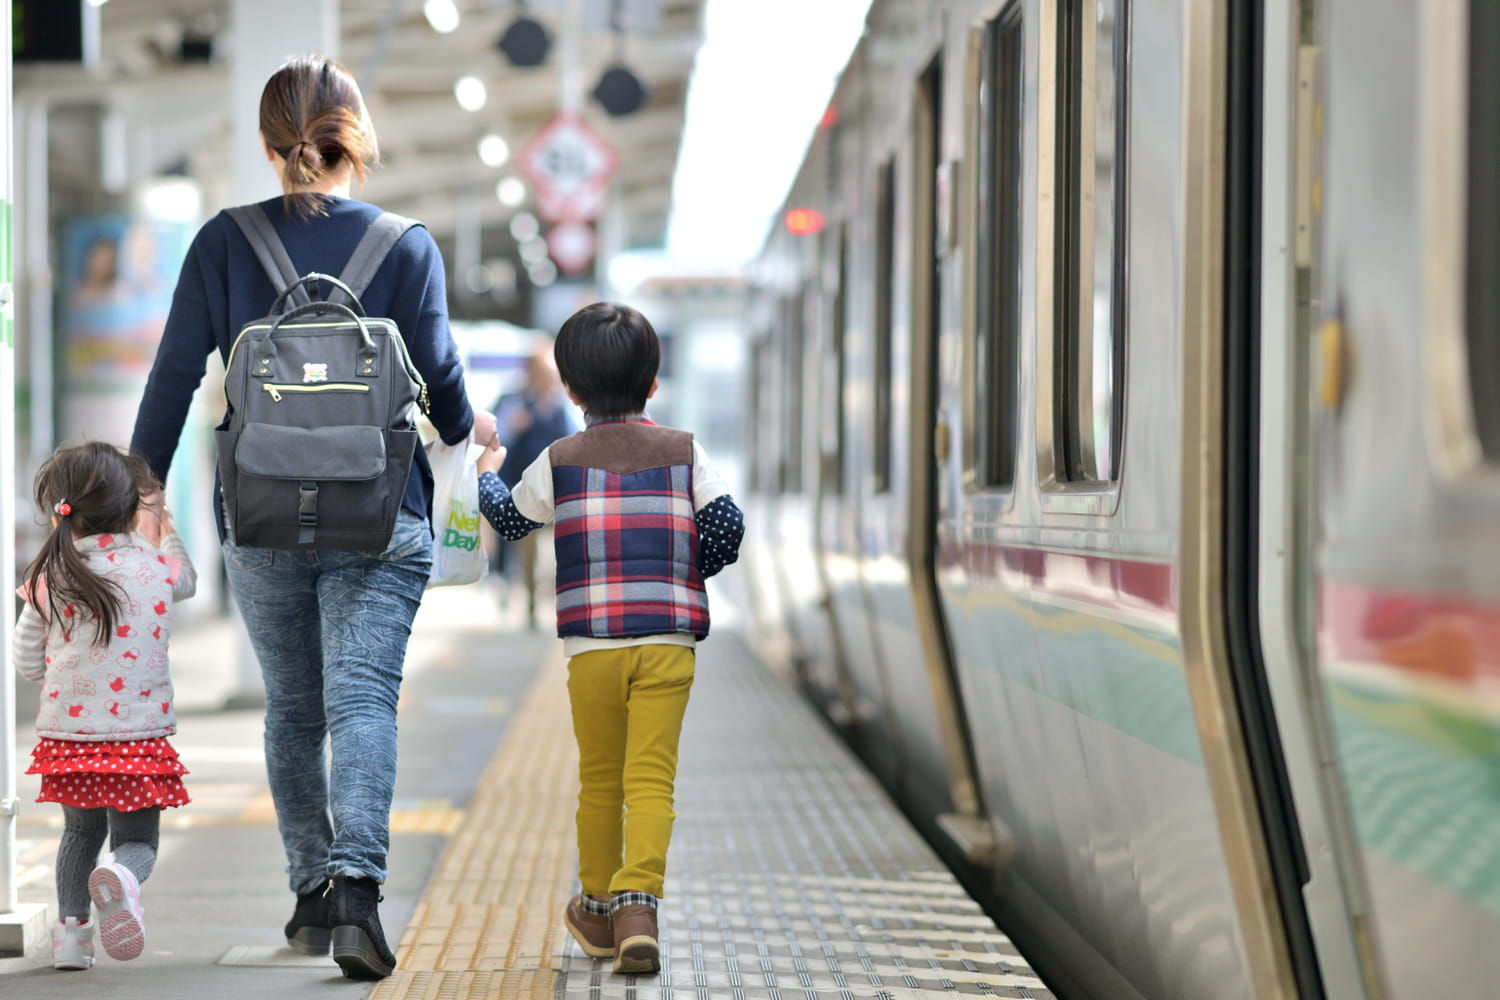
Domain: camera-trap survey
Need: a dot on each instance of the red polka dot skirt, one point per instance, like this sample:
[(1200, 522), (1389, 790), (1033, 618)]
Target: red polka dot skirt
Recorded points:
[(125, 775)]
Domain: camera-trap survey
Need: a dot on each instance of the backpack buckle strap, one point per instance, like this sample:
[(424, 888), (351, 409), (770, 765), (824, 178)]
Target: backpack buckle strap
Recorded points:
[(307, 513)]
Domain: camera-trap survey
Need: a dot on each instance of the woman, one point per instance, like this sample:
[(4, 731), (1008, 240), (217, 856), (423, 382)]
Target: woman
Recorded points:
[(329, 627)]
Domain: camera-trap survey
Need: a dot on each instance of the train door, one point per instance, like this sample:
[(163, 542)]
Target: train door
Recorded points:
[(867, 601), (862, 708), (1405, 456), (1270, 577), (797, 506), (933, 239)]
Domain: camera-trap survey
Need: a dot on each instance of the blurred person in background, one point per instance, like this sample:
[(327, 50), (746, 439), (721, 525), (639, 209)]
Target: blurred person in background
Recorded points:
[(528, 421)]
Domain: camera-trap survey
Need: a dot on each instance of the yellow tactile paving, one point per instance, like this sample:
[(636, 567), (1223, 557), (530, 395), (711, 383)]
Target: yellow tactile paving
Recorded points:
[(490, 922), (436, 816)]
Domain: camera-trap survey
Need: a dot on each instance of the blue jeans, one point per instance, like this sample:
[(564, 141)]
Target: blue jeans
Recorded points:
[(330, 631)]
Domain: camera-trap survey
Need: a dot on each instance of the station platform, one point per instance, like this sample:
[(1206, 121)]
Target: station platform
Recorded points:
[(791, 874)]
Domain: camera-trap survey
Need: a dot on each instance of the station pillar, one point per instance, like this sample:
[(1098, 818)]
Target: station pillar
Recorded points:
[(22, 927)]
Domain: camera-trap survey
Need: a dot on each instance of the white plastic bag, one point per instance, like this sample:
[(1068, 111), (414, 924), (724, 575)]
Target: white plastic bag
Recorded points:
[(457, 557)]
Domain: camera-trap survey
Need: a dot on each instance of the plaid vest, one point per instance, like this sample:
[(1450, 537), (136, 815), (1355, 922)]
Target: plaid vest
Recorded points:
[(626, 540)]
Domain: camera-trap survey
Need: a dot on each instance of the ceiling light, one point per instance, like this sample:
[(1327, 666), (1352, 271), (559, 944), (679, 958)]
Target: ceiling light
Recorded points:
[(98, 3), (470, 93), (534, 250), (525, 227), (478, 279), (542, 273), (493, 150), (511, 191), (442, 15)]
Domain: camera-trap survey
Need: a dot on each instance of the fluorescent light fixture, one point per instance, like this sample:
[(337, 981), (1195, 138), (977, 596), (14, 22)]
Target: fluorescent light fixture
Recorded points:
[(633, 268), (524, 227), (493, 150), (470, 92), (98, 3), (442, 15), (511, 191), (171, 199), (808, 44)]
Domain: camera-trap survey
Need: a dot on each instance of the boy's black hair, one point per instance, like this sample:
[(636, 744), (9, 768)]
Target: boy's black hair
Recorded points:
[(607, 355)]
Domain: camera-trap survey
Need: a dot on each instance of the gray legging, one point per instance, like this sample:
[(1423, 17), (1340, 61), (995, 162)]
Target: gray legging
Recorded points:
[(133, 837)]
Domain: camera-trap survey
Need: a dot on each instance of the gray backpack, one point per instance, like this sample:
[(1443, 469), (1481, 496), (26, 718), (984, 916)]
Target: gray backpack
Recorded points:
[(317, 443)]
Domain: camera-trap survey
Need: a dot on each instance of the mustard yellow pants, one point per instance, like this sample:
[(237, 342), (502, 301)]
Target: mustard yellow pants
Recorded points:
[(628, 705)]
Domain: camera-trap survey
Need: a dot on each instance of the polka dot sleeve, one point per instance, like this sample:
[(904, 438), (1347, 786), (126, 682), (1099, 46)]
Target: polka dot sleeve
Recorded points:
[(499, 508), (721, 525)]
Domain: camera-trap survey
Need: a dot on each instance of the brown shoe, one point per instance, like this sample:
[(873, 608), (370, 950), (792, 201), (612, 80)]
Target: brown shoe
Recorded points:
[(590, 930), (636, 949)]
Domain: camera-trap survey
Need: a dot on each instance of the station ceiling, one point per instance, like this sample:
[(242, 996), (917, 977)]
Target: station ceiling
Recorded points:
[(431, 169)]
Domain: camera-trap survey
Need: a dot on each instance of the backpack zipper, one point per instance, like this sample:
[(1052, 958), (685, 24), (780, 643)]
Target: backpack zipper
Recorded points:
[(276, 389)]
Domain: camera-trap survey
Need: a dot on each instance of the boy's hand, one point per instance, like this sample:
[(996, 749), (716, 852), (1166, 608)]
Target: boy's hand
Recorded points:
[(491, 460)]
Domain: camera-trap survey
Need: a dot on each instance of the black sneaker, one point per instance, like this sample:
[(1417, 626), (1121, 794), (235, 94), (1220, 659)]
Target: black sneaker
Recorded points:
[(358, 942), (309, 931)]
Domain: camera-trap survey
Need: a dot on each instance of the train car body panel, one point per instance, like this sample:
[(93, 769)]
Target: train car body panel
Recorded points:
[(1408, 566), (1063, 622)]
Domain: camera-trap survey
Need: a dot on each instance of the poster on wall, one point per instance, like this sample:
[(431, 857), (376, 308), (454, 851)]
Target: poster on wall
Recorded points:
[(117, 278)]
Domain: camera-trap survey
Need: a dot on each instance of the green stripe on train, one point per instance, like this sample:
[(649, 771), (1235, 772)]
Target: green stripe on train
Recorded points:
[(1423, 781)]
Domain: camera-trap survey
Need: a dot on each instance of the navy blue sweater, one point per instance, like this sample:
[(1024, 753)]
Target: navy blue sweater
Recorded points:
[(222, 287)]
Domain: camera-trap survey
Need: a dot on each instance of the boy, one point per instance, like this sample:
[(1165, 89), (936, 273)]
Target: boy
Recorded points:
[(641, 520)]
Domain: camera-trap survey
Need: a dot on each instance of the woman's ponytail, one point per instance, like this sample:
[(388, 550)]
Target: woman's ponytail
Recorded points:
[(313, 116)]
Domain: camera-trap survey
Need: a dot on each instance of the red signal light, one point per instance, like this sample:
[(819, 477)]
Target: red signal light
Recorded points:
[(804, 221)]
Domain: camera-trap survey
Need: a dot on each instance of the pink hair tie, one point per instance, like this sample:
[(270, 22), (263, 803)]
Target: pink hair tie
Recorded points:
[(62, 508)]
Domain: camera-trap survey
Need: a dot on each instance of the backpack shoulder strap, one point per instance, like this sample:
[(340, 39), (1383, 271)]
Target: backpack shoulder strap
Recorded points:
[(269, 250), (384, 233)]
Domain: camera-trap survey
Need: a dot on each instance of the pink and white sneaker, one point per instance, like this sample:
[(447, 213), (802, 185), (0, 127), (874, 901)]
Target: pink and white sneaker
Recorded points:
[(121, 918), (72, 944)]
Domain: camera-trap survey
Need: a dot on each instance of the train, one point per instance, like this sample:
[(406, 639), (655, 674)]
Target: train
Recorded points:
[(1125, 484)]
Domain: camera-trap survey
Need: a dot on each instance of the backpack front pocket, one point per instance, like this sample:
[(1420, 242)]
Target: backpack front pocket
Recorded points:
[(350, 453)]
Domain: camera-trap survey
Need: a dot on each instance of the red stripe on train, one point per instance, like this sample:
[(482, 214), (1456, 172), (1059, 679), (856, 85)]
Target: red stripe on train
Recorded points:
[(1452, 638), (1102, 580)]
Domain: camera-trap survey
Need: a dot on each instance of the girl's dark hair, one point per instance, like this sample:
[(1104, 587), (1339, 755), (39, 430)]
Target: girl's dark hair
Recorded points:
[(607, 355), (102, 485), (313, 116)]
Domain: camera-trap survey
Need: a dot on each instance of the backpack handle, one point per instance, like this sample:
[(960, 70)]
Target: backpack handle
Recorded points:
[(319, 307), (310, 278)]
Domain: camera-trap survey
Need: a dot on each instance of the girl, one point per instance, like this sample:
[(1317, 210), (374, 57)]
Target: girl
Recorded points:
[(93, 631)]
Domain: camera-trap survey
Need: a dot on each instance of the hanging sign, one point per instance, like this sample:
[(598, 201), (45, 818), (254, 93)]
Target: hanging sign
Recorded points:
[(572, 246), (568, 164)]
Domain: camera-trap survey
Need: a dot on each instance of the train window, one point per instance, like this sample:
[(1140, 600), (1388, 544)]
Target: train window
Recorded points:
[(753, 407), (835, 463), (998, 259), (1093, 75), (885, 282), (1482, 254), (793, 323)]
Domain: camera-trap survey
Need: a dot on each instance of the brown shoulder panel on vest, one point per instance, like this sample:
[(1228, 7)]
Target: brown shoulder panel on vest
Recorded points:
[(624, 448)]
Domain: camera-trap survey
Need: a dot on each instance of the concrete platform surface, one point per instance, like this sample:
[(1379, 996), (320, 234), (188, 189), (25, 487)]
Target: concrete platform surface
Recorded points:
[(790, 874)]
